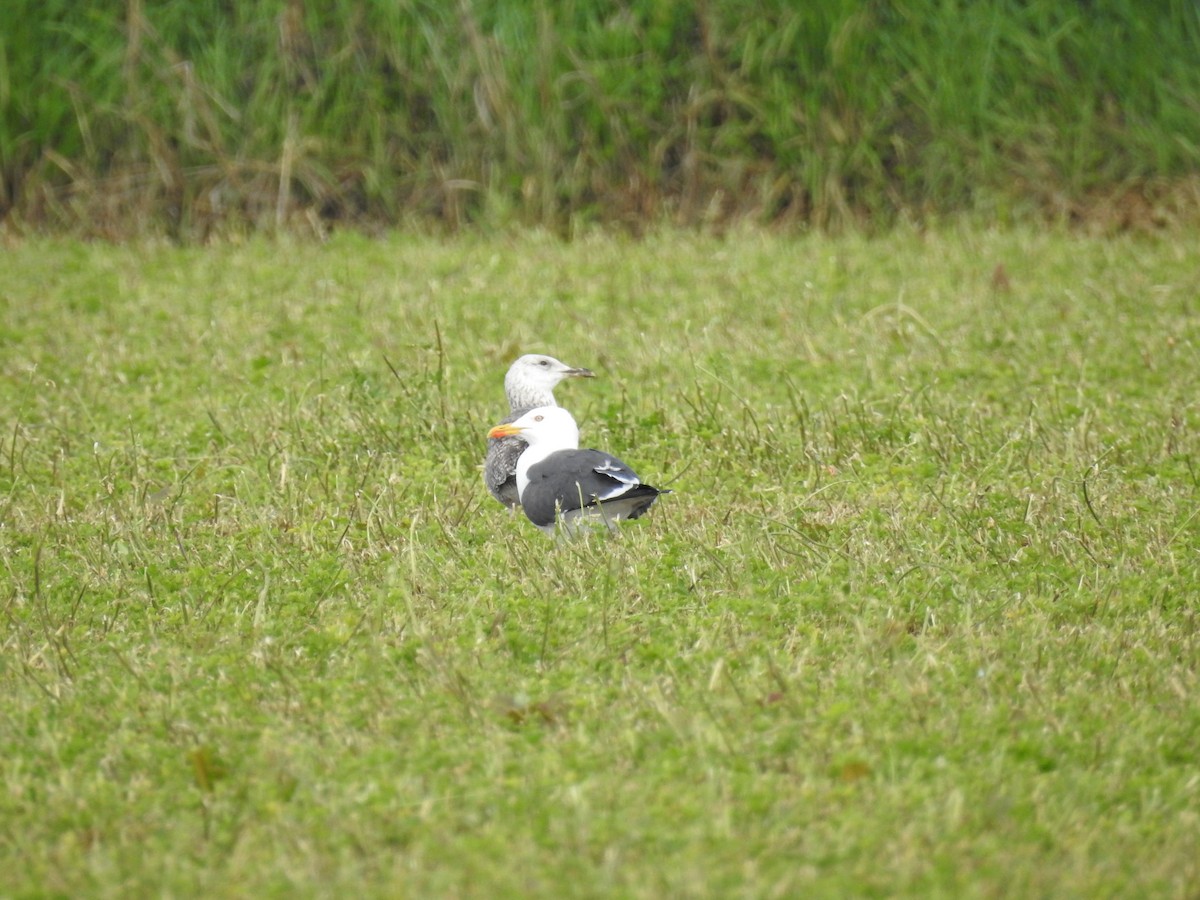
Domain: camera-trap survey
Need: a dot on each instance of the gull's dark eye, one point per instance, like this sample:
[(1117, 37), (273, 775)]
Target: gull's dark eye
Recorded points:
[(543, 362), (538, 418)]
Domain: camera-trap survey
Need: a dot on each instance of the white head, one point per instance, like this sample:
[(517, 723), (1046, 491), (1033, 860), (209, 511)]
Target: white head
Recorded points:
[(546, 428), (532, 378)]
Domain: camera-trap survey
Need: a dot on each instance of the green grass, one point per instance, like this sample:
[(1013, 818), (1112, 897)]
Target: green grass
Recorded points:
[(919, 618)]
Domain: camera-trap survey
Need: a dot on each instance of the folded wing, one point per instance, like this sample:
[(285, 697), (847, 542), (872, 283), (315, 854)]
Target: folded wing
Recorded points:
[(572, 483)]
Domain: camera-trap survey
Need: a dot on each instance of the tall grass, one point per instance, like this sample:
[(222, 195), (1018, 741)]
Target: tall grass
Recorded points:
[(200, 115)]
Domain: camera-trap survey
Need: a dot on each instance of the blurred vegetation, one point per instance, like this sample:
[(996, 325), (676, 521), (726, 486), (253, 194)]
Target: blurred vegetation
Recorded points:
[(188, 117)]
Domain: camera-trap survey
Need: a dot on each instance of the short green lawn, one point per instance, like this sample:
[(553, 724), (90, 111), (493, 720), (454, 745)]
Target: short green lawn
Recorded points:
[(919, 618)]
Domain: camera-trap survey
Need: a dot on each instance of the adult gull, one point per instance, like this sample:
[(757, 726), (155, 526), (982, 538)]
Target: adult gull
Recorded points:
[(558, 482), (529, 383)]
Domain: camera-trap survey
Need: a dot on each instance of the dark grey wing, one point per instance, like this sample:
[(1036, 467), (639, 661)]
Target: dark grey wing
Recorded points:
[(500, 465), (576, 479)]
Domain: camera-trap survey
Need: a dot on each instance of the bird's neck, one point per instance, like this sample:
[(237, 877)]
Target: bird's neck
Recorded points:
[(536, 454), (525, 396), (531, 456)]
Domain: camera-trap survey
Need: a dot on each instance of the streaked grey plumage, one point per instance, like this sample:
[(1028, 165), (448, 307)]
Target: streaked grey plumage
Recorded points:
[(529, 383), (500, 466)]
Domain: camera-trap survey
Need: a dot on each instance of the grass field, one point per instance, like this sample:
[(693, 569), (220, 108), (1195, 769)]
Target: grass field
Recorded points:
[(918, 619)]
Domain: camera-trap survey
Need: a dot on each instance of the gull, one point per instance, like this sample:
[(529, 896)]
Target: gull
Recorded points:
[(559, 483), (530, 383)]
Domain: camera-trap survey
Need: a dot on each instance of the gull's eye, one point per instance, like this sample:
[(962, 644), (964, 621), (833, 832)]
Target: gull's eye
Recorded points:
[(543, 362), (538, 418)]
